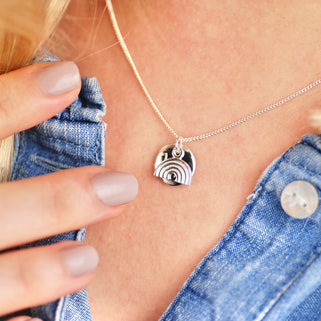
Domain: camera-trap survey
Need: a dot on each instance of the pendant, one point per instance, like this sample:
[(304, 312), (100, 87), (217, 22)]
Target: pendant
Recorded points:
[(175, 164)]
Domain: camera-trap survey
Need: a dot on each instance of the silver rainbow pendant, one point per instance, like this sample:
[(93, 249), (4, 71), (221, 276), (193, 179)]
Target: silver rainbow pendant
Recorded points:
[(175, 165)]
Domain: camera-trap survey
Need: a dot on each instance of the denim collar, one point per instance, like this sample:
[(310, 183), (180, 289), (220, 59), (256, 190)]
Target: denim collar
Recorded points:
[(267, 265)]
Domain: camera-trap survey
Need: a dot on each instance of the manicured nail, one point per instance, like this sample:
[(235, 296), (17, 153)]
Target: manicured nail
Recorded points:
[(58, 78), (34, 319), (115, 188), (80, 260)]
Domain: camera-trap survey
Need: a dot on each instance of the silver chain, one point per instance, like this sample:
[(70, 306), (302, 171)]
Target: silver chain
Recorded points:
[(213, 132)]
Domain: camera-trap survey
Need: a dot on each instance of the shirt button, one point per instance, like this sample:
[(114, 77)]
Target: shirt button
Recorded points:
[(300, 199)]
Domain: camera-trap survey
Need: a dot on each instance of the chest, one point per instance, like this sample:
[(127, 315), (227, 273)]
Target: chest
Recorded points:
[(148, 252), (167, 230)]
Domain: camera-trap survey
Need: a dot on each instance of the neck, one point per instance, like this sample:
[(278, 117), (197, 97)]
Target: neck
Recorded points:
[(205, 24), (172, 20), (201, 52)]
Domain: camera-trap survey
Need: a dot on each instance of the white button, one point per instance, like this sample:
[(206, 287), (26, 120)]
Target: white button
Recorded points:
[(300, 199)]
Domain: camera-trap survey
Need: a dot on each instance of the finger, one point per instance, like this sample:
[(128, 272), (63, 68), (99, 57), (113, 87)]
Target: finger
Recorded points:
[(32, 94), (39, 275), (66, 200), (24, 318)]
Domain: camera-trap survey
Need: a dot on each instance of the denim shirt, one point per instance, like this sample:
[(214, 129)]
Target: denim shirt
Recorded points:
[(267, 266)]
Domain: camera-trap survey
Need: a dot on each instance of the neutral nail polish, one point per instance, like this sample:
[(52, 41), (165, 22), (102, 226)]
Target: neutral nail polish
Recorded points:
[(80, 260), (58, 78), (34, 319), (115, 188)]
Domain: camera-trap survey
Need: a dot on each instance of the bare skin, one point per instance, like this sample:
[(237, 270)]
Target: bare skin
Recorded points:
[(206, 64)]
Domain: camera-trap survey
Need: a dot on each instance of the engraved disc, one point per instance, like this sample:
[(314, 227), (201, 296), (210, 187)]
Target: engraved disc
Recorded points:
[(175, 167)]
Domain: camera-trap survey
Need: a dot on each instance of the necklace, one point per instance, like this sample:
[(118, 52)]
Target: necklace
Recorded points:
[(175, 163)]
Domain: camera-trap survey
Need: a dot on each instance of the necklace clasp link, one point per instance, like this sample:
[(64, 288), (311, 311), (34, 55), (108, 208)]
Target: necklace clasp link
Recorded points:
[(178, 150)]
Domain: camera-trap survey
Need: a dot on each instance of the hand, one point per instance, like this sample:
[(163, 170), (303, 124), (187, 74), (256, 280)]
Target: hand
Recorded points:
[(38, 207)]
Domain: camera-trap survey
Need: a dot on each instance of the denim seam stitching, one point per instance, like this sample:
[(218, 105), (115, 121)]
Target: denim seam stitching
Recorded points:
[(60, 140), (304, 267), (289, 160), (47, 163), (98, 144), (260, 316), (205, 298), (298, 165)]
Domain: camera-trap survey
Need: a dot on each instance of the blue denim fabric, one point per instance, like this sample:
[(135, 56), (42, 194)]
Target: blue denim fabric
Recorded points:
[(266, 267)]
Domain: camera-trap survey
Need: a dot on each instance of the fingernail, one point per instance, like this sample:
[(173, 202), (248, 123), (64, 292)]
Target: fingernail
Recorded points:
[(34, 319), (115, 188), (58, 78), (80, 260)]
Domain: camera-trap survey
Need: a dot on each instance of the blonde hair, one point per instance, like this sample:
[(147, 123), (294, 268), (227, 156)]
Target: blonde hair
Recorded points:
[(24, 26)]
